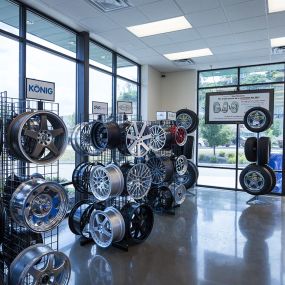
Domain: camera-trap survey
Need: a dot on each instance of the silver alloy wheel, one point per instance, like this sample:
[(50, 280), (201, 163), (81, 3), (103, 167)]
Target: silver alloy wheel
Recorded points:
[(39, 265), (37, 137), (181, 165), (138, 138), (139, 181), (178, 193), (256, 119), (106, 181), (81, 139), (254, 181), (107, 226), (158, 138), (39, 205), (158, 170), (184, 120)]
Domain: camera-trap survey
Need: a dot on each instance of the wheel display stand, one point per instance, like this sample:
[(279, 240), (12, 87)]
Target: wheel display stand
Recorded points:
[(13, 172)]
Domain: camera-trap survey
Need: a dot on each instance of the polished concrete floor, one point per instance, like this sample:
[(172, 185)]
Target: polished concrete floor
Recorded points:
[(215, 238)]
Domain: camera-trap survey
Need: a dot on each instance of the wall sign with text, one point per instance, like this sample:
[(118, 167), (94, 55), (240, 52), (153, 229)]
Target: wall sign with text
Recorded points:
[(171, 116), (230, 107), (160, 116), (40, 90), (99, 108), (124, 107)]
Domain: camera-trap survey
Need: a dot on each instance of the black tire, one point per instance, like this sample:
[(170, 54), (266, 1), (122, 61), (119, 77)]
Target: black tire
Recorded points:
[(257, 119), (263, 150), (177, 150), (188, 147), (192, 124), (256, 179), (250, 149), (274, 179), (189, 179)]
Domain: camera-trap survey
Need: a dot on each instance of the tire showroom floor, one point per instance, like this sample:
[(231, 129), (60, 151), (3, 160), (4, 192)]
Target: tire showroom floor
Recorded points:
[(215, 238)]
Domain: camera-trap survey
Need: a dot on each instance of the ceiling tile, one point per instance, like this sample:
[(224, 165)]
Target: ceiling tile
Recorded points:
[(185, 35), (157, 40), (252, 24), (145, 53), (221, 40), (207, 18), (243, 54), (226, 3), (128, 17), (141, 2), (160, 10), (191, 6), (98, 24), (276, 19), (251, 36), (245, 10), (118, 35), (215, 30)]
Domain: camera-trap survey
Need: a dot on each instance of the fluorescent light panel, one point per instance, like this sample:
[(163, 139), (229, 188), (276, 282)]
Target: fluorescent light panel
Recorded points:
[(188, 54), (160, 27), (278, 42), (276, 6)]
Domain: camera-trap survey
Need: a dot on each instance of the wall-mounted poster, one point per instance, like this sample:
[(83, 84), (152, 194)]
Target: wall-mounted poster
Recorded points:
[(124, 107), (40, 90), (171, 116), (230, 107), (99, 108), (160, 116)]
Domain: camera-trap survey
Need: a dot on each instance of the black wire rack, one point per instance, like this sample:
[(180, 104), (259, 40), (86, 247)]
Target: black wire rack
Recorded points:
[(12, 173)]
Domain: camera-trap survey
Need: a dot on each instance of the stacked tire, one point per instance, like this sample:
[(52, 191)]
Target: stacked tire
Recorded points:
[(258, 178)]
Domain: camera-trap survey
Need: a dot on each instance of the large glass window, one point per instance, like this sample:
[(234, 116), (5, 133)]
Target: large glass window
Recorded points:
[(221, 147), (9, 17), (127, 69), (101, 57)]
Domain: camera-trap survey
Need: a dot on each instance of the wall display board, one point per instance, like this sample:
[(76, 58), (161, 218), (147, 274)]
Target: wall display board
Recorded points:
[(99, 108), (124, 107), (171, 116), (160, 116), (230, 107), (40, 90)]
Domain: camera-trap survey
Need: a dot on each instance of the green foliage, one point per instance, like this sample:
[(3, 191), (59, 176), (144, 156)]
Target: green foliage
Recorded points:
[(275, 130), (222, 153), (213, 159), (201, 156), (129, 93), (242, 159), (231, 155), (231, 160)]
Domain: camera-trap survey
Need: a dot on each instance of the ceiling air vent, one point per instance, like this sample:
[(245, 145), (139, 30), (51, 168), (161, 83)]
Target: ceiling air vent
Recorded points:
[(110, 5), (184, 62), (278, 50)]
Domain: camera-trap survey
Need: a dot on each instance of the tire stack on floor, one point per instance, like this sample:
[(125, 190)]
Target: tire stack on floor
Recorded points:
[(257, 178)]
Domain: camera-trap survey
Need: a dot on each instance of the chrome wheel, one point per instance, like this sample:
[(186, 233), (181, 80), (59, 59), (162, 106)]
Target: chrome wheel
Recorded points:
[(138, 181), (254, 181), (81, 139), (181, 165), (39, 265), (178, 192), (37, 137), (107, 226), (256, 119), (158, 138), (184, 120), (138, 139), (106, 182), (39, 205)]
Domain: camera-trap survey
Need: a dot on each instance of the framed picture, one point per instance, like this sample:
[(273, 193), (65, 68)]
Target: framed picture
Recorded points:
[(161, 115), (124, 107), (99, 108)]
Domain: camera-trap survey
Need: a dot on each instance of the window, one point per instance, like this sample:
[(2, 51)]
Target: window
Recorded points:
[(9, 66), (48, 34), (127, 69), (100, 57), (9, 17)]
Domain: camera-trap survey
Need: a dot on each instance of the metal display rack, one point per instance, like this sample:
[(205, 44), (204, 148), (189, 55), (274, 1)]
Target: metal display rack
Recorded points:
[(13, 171)]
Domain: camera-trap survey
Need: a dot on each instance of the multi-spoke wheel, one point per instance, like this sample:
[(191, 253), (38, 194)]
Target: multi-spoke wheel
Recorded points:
[(181, 165), (178, 193), (106, 181), (37, 137), (187, 119), (257, 119), (81, 139), (39, 205), (158, 138), (39, 264), (107, 226), (161, 169), (138, 220), (138, 139), (254, 181), (139, 181)]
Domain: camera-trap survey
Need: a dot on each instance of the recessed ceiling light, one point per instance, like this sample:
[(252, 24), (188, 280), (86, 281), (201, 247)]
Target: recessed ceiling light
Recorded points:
[(276, 6), (278, 42), (160, 27), (188, 54)]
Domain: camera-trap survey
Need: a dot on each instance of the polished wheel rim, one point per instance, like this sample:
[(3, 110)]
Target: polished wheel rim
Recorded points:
[(39, 265), (107, 226), (39, 205), (158, 170), (158, 138), (138, 139), (99, 135), (256, 119), (254, 181), (139, 180), (38, 137), (181, 164), (184, 120), (178, 192), (180, 136)]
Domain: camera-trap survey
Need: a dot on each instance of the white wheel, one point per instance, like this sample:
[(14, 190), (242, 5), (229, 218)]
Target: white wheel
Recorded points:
[(158, 138)]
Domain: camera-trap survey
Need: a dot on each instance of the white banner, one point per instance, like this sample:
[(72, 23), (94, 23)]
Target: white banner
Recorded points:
[(99, 108), (124, 107), (40, 90), (160, 116)]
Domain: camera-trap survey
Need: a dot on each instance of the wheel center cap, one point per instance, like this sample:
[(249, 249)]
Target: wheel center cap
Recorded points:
[(44, 137)]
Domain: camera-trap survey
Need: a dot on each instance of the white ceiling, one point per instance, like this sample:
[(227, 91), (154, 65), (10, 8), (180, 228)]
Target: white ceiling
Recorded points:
[(237, 31)]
